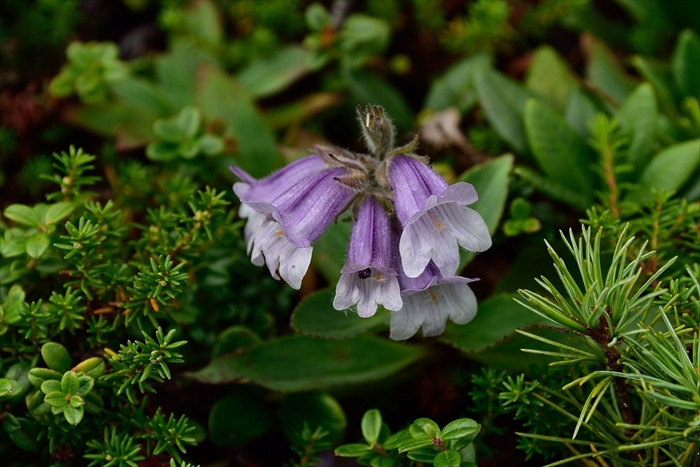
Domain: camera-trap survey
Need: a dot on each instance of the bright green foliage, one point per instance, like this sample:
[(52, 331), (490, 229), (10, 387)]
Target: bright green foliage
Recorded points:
[(92, 68), (181, 137)]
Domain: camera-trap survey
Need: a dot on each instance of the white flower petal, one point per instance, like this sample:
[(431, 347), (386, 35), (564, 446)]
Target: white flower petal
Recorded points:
[(467, 226)]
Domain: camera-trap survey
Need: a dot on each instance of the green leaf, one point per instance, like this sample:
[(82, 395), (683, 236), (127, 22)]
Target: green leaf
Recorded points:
[(604, 72), (352, 450), (413, 443), (11, 246), (668, 170), (424, 427), (176, 71), (85, 385), (59, 211), (317, 409), (22, 214), (168, 130), (22, 432), (204, 21), (638, 116), (559, 151), (490, 180), (462, 428), (550, 79), (497, 318), (37, 376), (367, 88), (580, 110), (93, 403), (162, 151), (297, 363), (239, 417), (144, 96), (371, 425), (37, 244), (395, 440), (449, 458), (188, 121), (19, 372), (503, 101), (56, 357), (456, 87), (686, 57), (51, 386), (317, 17), (659, 75), (426, 454), (315, 316), (9, 388), (56, 399), (326, 258), (361, 37), (70, 383), (268, 76), (73, 414), (552, 188), (210, 145), (93, 367), (188, 149), (233, 338)]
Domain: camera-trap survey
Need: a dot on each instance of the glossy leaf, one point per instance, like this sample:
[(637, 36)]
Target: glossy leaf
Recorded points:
[(70, 383), (297, 363), (669, 169), (503, 101), (371, 425), (73, 414), (426, 454), (56, 357), (449, 458), (352, 450), (462, 428), (23, 215), (559, 151), (315, 316)]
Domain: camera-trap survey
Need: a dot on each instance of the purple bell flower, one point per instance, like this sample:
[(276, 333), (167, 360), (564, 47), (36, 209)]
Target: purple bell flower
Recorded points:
[(369, 278), (434, 217), (267, 244), (429, 300), (304, 197)]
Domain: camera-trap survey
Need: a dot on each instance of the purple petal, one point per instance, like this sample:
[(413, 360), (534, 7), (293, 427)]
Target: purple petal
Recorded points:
[(371, 239), (412, 183)]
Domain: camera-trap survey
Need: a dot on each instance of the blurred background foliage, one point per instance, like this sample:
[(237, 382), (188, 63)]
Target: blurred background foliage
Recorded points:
[(554, 110)]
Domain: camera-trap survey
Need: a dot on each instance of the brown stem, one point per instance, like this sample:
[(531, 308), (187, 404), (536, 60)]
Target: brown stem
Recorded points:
[(611, 181)]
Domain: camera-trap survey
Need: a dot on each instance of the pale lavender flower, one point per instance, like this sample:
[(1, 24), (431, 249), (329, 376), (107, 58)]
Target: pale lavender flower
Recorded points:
[(369, 277), (267, 245), (304, 197), (429, 300), (434, 216)]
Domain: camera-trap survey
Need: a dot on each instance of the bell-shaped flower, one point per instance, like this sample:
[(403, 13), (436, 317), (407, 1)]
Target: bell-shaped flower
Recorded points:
[(267, 244), (304, 197), (429, 300), (434, 217), (369, 278)]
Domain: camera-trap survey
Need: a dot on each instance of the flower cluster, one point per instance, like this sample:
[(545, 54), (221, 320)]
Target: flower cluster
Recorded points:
[(408, 227)]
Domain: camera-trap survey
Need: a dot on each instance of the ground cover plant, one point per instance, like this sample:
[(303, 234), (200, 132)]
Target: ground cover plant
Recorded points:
[(379, 232)]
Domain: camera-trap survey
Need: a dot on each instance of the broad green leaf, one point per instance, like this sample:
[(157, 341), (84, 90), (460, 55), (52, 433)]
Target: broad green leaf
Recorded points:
[(210, 145), (426, 454), (238, 418), (70, 383), (669, 169), (550, 79), (73, 414), (188, 120), (496, 319), (59, 211), (168, 130), (268, 76), (51, 386), (455, 88), (19, 372), (56, 357), (316, 409), (37, 376), (490, 180), (638, 116), (204, 20), (659, 75), (131, 128), (316, 17), (233, 338), (36, 244), (361, 37), (686, 63), (559, 151), (352, 450), (298, 363), (395, 440), (22, 432), (449, 458), (413, 443), (462, 428), (162, 151), (11, 246), (371, 425), (503, 101), (315, 316), (552, 188), (144, 96), (56, 399), (580, 110), (368, 88), (9, 388), (176, 71), (604, 72), (327, 258), (93, 403), (93, 367), (85, 385), (22, 214), (424, 427), (220, 96)]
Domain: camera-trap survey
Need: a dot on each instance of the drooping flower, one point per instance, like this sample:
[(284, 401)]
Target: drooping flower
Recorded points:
[(267, 245), (434, 217), (429, 300), (369, 277)]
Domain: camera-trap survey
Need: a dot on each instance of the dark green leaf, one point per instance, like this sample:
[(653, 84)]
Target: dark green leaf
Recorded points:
[(267, 76), (59, 211), (395, 440), (659, 75), (9, 388), (56, 399), (552, 188), (503, 101), (449, 458), (426, 454), (462, 428), (317, 409), (298, 363), (550, 79), (560, 152), (238, 418), (352, 450), (412, 443), (56, 357), (144, 96), (371, 425), (73, 414), (455, 88), (686, 63), (22, 214), (70, 383), (37, 244), (162, 151), (638, 116), (490, 180), (22, 432), (315, 316), (233, 338), (604, 72), (37, 376), (580, 110)]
